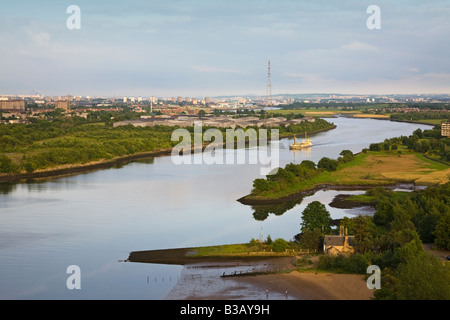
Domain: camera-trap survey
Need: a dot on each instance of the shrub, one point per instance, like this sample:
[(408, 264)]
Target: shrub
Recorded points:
[(280, 245)]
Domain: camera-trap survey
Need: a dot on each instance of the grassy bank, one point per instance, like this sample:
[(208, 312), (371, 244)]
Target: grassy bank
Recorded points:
[(46, 148), (181, 256), (370, 169)]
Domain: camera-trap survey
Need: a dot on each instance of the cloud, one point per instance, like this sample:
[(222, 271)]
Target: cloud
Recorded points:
[(359, 46), (42, 39), (214, 69)]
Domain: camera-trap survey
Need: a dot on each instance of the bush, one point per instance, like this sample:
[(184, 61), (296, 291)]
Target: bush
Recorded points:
[(327, 164), (7, 165), (280, 245), (356, 263), (30, 166)]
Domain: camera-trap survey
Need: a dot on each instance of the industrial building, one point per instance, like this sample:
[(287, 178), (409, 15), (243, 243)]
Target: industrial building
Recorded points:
[(12, 105)]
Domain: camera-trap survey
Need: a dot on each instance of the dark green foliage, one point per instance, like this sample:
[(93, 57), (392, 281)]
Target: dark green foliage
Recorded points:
[(327, 164), (393, 240), (7, 165), (316, 217), (279, 245), (46, 144), (291, 173)]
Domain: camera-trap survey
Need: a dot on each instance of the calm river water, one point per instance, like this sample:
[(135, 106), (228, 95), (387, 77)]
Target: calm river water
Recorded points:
[(96, 219)]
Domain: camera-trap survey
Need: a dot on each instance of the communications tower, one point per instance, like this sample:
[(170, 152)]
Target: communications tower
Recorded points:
[(269, 102)]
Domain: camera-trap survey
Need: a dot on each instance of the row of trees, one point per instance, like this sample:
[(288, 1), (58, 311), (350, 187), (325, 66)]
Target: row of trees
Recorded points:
[(393, 240), (428, 142), (45, 144), (296, 173), (410, 116)]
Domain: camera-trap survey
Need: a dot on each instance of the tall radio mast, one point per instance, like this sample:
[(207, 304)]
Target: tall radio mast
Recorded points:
[(269, 89)]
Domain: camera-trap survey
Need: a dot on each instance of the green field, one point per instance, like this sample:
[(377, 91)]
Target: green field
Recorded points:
[(370, 169)]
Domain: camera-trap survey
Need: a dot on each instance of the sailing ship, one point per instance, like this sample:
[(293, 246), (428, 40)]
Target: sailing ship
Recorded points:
[(305, 143)]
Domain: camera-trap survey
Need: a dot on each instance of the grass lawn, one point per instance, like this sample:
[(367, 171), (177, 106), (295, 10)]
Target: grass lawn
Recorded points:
[(313, 112), (237, 250), (375, 169)]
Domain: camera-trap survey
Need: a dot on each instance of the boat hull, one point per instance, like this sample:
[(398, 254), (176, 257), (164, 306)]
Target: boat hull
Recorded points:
[(298, 147)]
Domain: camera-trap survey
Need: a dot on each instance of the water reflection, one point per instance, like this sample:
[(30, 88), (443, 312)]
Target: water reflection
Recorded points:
[(261, 212), (7, 187)]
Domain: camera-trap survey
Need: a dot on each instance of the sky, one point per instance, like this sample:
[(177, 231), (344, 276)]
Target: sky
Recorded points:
[(198, 48)]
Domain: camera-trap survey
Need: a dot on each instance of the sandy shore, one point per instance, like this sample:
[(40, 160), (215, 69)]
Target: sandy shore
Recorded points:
[(311, 286), (204, 282), (259, 278)]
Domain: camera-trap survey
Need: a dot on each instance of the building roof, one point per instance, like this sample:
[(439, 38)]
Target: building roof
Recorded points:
[(331, 240)]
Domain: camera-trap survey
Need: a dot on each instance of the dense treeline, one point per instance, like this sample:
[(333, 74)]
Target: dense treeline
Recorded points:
[(428, 142), (414, 116), (306, 126), (392, 239), (44, 144), (296, 173)]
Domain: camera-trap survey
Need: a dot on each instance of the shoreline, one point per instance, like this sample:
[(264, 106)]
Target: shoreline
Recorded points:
[(251, 200), (295, 285), (74, 169), (312, 286), (237, 277), (82, 168)]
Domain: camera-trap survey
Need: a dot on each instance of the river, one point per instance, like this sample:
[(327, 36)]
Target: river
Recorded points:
[(94, 220)]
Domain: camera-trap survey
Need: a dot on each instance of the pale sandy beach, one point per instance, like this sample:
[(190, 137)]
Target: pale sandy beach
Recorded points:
[(311, 286), (203, 282)]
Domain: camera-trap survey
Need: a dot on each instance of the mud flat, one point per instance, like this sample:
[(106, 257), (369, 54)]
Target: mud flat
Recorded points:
[(245, 277)]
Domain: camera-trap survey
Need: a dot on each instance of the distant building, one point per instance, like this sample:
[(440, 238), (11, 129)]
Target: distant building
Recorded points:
[(12, 105), (63, 103), (445, 129), (339, 245)]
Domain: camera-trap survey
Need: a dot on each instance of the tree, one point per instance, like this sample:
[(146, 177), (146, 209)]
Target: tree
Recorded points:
[(346, 153), (327, 164), (308, 164), (384, 214), (7, 165), (423, 277), (442, 231), (311, 239), (279, 245), (363, 229), (316, 216), (374, 147)]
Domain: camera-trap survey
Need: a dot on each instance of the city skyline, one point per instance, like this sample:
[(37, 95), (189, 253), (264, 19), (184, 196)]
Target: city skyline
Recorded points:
[(217, 48)]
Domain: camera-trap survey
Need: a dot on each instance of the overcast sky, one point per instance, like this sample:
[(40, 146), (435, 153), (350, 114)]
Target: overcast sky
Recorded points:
[(221, 47)]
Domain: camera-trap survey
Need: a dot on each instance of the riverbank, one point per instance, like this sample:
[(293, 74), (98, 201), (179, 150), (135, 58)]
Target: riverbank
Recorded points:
[(196, 284), (72, 169), (366, 170), (252, 277), (312, 286), (81, 168)]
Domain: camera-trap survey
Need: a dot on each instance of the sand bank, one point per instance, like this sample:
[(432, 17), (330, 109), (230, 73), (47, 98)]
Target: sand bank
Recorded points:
[(204, 282)]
